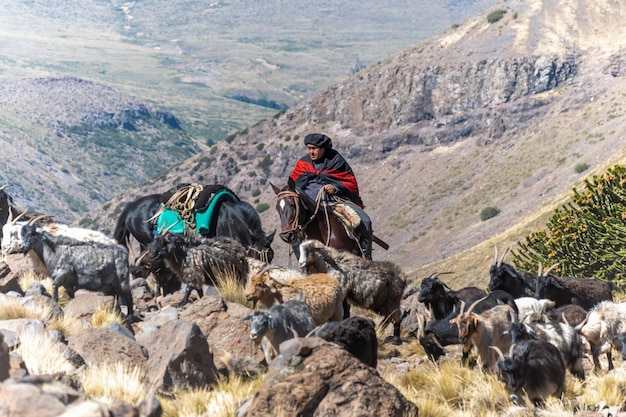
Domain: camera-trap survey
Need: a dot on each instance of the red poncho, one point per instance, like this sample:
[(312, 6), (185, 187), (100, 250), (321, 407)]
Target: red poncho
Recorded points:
[(335, 170)]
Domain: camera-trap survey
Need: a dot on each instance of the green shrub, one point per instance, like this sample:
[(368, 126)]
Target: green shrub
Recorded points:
[(496, 15), (489, 212), (587, 235), (581, 167), (261, 207), (255, 192)]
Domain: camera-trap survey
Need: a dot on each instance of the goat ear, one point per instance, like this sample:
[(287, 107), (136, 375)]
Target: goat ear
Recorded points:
[(454, 320), (248, 317), (272, 323)]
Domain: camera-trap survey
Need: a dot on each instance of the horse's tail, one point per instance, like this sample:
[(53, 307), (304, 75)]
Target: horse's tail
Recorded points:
[(121, 233)]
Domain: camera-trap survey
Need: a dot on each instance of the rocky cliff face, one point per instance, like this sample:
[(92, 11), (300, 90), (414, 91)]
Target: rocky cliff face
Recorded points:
[(485, 114)]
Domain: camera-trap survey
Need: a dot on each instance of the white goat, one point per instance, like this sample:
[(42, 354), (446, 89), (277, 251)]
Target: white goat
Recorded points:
[(605, 321)]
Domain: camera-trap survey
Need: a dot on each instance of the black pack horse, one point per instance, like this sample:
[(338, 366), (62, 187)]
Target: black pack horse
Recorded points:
[(302, 218), (236, 219)]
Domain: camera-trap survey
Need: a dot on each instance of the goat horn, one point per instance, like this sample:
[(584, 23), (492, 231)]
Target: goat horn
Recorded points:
[(469, 310), (36, 219), (162, 232), (495, 259), (4, 187), (143, 255), (504, 255), (547, 271), (498, 351)]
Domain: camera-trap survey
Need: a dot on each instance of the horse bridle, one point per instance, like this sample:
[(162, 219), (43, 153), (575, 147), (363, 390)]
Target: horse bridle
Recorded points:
[(295, 226)]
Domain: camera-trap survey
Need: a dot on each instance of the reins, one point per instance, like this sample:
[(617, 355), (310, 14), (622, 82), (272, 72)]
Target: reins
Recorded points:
[(295, 226)]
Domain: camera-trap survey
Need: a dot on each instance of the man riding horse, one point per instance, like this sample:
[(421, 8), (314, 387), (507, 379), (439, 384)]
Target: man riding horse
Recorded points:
[(323, 168)]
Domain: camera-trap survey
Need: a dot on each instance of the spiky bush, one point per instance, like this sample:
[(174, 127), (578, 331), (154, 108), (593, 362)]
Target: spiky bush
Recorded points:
[(587, 235)]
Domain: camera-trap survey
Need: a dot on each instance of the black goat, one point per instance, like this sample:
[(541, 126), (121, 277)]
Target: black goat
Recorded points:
[(441, 299), (565, 290), (355, 334), (534, 367), (563, 336), (571, 314), (506, 278)]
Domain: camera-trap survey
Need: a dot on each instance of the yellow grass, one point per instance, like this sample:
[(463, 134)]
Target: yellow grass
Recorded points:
[(107, 382), (103, 316), (219, 401), (228, 286), (25, 280), (67, 325), (17, 308), (42, 355)]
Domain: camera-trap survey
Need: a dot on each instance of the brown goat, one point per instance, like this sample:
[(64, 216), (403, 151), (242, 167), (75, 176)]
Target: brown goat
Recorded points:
[(485, 330), (322, 293)]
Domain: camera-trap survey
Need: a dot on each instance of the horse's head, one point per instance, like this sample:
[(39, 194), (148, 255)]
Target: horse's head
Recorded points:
[(261, 248), (291, 212)]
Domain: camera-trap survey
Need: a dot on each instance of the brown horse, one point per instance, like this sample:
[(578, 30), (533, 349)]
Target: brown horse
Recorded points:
[(302, 218)]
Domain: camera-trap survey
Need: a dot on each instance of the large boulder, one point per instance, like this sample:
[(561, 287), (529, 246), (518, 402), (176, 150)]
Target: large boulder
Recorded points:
[(220, 322), (8, 280), (178, 357), (103, 345), (312, 377)]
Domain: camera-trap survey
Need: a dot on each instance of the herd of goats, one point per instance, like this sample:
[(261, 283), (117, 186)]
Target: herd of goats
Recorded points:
[(529, 328)]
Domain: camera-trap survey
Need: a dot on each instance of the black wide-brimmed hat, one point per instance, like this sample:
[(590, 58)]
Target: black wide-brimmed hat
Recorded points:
[(319, 140)]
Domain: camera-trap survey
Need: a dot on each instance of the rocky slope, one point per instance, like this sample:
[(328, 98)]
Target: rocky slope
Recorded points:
[(486, 114)]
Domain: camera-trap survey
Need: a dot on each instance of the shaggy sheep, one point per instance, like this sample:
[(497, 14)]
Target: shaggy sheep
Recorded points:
[(322, 293), (368, 284)]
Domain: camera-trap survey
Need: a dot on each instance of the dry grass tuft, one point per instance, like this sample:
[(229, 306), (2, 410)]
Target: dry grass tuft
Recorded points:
[(108, 382), (609, 389), (42, 354), (67, 325), (223, 400), (17, 308), (228, 285), (103, 316)]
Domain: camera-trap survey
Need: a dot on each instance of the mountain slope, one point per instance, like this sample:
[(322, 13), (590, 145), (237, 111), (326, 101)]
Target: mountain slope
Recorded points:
[(99, 96), (486, 114)]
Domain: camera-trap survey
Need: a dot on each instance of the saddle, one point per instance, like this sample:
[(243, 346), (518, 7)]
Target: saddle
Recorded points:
[(192, 206), (348, 217)]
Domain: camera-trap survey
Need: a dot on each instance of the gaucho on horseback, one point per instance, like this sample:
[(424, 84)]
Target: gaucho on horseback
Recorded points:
[(324, 173)]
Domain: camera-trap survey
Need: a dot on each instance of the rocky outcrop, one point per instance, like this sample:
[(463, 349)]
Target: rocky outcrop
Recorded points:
[(313, 377)]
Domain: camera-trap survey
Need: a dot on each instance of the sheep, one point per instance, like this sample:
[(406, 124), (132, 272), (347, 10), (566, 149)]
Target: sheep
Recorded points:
[(322, 293), (75, 264), (368, 284), (485, 329), (355, 334), (279, 323), (606, 320), (563, 336), (565, 290), (434, 295), (571, 314), (530, 309), (532, 366), (441, 333), (197, 261), (279, 273), (505, 277)]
